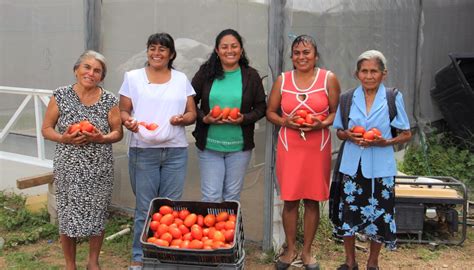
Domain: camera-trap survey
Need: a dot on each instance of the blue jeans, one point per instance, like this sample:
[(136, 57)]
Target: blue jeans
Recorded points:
[(222, 174), (154, 172)]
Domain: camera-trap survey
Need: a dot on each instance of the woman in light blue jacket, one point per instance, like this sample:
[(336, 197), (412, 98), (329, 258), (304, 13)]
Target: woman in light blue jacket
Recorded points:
[(368, 164)]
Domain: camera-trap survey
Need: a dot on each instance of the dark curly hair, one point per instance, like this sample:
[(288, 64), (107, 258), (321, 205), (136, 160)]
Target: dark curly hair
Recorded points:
[(213, 67)]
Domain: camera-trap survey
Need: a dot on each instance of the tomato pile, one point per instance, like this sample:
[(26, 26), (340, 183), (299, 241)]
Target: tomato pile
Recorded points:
[(149, 126), (306, 117), (81, 126), (226, 112), (368, 135), (183, 229)]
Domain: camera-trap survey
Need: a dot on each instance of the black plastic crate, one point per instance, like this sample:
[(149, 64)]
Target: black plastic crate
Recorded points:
[(195, 256), (154, 264), (454, 93)]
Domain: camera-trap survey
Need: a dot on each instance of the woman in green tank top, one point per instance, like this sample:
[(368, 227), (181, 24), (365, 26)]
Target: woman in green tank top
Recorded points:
[(229, 99)]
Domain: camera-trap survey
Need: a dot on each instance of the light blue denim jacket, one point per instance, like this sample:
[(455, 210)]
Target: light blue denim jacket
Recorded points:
[(375, 161)]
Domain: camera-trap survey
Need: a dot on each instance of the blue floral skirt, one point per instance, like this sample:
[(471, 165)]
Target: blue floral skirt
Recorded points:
[(367, 207)]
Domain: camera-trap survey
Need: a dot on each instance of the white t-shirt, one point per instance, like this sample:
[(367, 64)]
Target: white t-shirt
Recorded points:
[(157, 103)]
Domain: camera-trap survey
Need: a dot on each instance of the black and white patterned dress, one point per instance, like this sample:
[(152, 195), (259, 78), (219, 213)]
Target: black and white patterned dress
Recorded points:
[(83, 174)]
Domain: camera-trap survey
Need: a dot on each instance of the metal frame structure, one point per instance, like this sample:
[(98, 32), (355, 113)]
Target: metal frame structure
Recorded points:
[(40, 98)]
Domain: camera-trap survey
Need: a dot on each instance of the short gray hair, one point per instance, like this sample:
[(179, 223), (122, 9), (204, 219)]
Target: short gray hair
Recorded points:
[(95, 55), (372, 54)]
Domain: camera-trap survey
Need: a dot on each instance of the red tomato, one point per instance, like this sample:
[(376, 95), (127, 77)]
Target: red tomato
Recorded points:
[(309, 119), (188, 236), (369, 135), (154, 225), (302, 113), (165, 209), (162, 243), (151, 239), (178, 221), (200, 220), (167, 219), (196, 232), (229, 235), (190, 220), (162, 229), (229, 225), (210, 220), (207, 247), (219, 236), (207, 242), (225, 113), (86, 126), (176, 242), (195, 244), (183, 214), (175, 214), (358, 129), (183, 229), (222, 216), (216, 111), (321, 117), (232, 217), (175, 232), (156, 216), (211, 232), (220, 225), (73, 128), (151, 126), (234, 113), (377, 132), (226, 245), (217, 244), (185, 244), (167, 237), (300, 121)]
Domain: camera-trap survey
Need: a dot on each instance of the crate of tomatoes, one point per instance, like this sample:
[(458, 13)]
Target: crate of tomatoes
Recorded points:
[(193, 232)]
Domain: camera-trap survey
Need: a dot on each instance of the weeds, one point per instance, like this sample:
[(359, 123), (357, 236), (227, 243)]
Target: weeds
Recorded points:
[(445, 156), (23, 227), (20, 227)]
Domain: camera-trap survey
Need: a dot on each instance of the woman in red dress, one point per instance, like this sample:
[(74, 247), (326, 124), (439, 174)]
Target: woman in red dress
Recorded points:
[(303, 102)]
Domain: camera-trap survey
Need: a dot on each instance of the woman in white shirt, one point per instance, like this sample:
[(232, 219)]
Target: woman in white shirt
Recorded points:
[(157, 159)]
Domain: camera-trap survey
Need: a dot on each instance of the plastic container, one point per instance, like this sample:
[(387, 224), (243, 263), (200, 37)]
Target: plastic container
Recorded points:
[(207, 258), (454, 94), (152, 264)]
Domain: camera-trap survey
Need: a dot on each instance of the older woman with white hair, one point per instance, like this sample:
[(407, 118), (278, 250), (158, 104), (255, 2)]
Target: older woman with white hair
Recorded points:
[(84, 120), (368, 167)]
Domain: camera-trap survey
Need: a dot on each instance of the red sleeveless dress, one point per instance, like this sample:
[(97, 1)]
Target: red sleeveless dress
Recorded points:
[(303, 166)]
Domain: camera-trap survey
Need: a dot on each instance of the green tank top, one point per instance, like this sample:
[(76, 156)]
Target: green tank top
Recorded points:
[(226, 92)]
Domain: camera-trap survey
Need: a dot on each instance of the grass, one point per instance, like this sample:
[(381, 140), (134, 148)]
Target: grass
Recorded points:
[(20, 228)]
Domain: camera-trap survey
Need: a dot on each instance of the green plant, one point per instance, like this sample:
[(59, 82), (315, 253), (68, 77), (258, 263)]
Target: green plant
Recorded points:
[(444, 156), (22, 226)]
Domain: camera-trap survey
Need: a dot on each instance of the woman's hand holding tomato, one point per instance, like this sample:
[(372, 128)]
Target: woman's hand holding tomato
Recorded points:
[(73, 136), (177, 120), (210, 118), (131, 124), (312, 122), (239, 118)]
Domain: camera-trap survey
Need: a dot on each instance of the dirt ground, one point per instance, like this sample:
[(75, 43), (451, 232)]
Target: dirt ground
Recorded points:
[(330, 255)]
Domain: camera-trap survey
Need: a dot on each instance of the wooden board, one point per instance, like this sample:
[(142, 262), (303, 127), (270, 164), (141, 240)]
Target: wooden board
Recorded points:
[(425, 192), (33, 181)]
